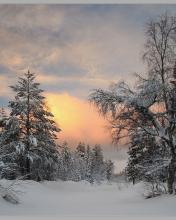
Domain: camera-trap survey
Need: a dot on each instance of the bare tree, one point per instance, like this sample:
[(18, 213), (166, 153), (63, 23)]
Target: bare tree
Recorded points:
[(151, 106)]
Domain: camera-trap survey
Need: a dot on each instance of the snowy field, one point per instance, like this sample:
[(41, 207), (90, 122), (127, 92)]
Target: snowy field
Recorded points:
[(70, 200)]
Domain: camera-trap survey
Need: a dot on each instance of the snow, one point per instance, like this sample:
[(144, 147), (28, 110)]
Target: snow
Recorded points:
[(33, 140), (71, 200)]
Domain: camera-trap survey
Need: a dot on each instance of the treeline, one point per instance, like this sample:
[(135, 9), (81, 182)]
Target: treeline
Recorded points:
[(145, 115), (85, 163), (28, 142)]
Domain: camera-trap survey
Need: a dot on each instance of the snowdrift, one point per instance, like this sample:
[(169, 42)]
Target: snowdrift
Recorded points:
[(71, 200)]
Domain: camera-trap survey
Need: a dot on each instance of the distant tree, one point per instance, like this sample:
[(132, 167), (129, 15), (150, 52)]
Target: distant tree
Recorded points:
[(109, 169), (88, 159), (81, 149), (84, 163), (80, 160), (97, 165), (66, 167)]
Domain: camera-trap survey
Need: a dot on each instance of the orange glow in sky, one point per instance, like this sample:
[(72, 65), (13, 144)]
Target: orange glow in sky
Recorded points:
[(78, 120)]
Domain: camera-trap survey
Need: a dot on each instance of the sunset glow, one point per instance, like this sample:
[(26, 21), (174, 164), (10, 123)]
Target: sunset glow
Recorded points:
[(78, 120)]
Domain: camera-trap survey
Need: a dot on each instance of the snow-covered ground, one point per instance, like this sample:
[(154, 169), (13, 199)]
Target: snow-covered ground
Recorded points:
[(70, 200)]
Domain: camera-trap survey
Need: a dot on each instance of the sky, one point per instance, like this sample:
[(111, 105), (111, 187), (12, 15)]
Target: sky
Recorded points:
[(74, 49)]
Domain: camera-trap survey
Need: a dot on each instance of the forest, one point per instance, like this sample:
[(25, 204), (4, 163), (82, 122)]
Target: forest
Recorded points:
[(141, 116), (29, 147)]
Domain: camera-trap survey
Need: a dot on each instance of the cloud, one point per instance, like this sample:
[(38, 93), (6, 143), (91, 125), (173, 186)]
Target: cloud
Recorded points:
[(5, 91), (78, 120), (30, 17), (78, 86), (92, 40), (65, 41), (81, 43)]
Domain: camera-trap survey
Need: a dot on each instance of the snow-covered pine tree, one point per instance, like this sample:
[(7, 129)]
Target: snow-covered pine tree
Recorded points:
[(3, 117), (9, 155), (109, 169), (30, 133), (66, 169), (135, 155), (148, 160), (80, 160), (97, 165), (84, 164), (80, 149), (2, 113), (8, 166), (78, 167), (88, 159)]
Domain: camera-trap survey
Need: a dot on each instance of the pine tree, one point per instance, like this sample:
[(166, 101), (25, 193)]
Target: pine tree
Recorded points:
[(88, 158), (8, 167), (97, 165), (3, 117), (148, 160), (9, 154), (65, 163), (81, 149), (80, 160), (84, 164), (109, 169), (2, 113), (33, 141), (135, 152)]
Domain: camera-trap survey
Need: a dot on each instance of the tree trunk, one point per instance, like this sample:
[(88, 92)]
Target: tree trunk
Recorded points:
[(171, 176), (28, 129), (28, 170), (22, 165), (133, 180)]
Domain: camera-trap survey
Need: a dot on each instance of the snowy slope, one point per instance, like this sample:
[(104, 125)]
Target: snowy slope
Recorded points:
[(68, 200)]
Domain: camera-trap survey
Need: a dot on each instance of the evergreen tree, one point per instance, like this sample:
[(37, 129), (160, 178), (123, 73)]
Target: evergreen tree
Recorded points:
[(97, 165), (89, 158), (33, 139), (109, 169), (135, 152), (10, 159), (84, 164), (80, 160), (3, 117), (66, 166), (81, 149), (3, 114)]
